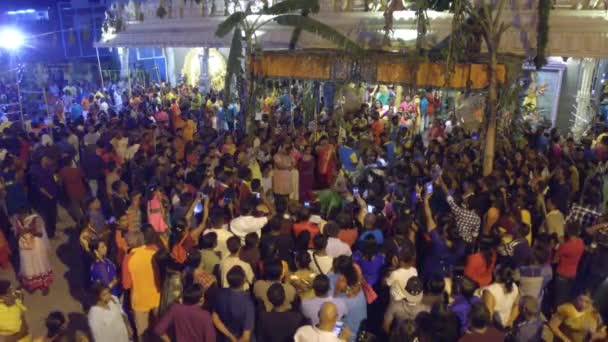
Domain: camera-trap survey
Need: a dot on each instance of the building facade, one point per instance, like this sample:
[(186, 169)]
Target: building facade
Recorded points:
[(578, 38)]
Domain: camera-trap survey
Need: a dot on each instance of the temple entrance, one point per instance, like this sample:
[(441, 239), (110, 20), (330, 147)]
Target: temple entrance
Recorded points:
[(216, 67)]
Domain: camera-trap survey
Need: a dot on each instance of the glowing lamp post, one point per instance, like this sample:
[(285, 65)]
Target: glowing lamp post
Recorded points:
[(11, 39)]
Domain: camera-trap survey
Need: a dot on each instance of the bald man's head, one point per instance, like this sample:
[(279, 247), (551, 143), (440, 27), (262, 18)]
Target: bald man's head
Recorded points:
[(328, 314)]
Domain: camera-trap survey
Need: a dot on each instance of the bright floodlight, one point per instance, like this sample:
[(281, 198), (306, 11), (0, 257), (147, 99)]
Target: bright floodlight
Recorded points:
[(11, 39)]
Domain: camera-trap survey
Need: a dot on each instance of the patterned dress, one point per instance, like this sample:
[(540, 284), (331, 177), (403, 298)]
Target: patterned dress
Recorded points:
[(35, 270)]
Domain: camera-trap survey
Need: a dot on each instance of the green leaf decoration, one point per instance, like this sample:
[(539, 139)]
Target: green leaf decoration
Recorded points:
[(316, 27), (233, 65), (297, 32), (289, 6), (230, 23)]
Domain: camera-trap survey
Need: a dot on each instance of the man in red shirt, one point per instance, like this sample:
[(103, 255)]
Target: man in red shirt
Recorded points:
[(568, 255), (72, 179), (188, 319), (304, 225)]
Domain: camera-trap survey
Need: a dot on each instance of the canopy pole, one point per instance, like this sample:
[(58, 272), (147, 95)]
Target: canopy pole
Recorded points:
[(21, 116), (99, 67)]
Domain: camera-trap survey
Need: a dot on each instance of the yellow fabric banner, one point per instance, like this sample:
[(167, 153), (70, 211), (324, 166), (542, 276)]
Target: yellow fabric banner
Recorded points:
[(433, 75), (292, 66), (387, 71)]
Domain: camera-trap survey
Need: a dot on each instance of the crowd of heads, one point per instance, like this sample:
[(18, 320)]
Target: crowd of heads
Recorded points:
[(359, 208)]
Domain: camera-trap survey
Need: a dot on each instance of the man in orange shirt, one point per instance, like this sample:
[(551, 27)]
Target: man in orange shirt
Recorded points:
[(86, 103), (140, 276)]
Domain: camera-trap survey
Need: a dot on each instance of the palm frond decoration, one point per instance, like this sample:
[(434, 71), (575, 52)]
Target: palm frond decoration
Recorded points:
[(316, 27), (230, 23), (297, 32), (542, 33), (288, 6), (233, 65), (295, 36)]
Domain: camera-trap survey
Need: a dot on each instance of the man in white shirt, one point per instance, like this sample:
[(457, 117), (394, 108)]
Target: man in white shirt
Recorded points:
[(247, 223), (120, 144), (91, 137), (324, 331), (221, 230), (404, 263), (104, 106), (335, 247), (234, 245)]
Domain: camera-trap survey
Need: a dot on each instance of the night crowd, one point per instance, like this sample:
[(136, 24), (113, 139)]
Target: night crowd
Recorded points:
[(354, 227)]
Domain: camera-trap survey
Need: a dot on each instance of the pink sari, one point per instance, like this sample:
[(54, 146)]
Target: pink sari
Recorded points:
[(156, 215)]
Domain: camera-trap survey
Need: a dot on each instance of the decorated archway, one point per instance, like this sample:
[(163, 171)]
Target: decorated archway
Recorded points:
[(216, 67)]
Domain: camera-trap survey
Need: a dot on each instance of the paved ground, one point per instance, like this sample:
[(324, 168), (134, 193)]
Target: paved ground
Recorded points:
[(67, 292)]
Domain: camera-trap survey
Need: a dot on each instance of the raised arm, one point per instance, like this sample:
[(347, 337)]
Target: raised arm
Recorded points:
[(428, 214)]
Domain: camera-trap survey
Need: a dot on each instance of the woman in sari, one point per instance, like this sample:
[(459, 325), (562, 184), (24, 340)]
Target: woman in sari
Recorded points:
[(156, 211), (327, 163), (103, 271), (306, 167), (281, 174), (35, 271)]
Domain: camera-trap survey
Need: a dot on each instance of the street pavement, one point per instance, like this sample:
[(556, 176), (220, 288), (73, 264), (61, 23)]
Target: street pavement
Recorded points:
[(67, 293)]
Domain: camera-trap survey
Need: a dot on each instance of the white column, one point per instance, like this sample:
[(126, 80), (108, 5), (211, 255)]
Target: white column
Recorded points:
[(584, 113), (171, 72), (203, 58), (123, 56)]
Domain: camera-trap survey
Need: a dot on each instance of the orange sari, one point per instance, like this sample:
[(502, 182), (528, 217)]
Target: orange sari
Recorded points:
[(327, 165)]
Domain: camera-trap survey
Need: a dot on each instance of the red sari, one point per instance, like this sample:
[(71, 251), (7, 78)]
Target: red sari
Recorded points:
[(306, 169), (327, 165), (5, 252)]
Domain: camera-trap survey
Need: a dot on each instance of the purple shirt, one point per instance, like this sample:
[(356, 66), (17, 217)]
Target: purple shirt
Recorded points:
[(371, 269), (191, 323)]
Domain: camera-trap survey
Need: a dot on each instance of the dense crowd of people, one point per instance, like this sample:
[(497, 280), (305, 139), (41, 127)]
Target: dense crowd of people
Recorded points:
[(354, 228)]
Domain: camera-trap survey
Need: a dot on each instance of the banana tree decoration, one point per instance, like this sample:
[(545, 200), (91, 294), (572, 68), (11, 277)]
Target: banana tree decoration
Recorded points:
[(492, 29), (245, 23)]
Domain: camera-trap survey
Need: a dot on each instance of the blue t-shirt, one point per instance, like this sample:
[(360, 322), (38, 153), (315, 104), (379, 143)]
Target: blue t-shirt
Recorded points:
[(390, 151), (285, 102), (236, 310), (424, 103), (75, 112)]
